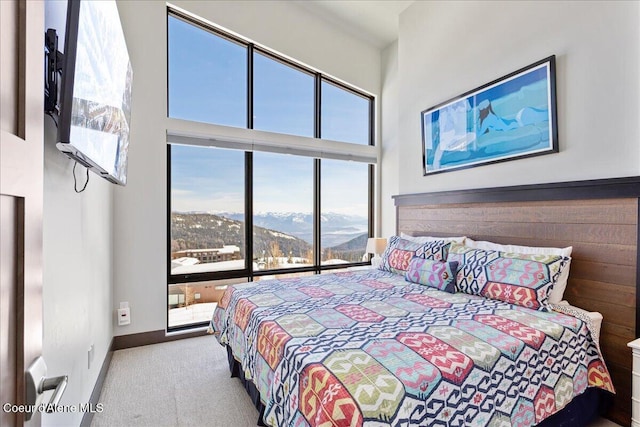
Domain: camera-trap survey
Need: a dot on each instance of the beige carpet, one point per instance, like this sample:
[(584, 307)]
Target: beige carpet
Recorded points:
[(179, 383)]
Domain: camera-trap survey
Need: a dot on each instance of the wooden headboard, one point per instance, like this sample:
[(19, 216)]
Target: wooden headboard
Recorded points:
[(599, 218)]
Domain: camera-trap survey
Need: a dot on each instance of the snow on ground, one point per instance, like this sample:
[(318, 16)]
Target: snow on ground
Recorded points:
[(194, 313)]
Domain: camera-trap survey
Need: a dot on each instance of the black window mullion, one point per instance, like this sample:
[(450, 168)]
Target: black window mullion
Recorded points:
[(250, 86), (248, 212), (169, 234), (317, 243), (248, 197), (372, 120), (168, 80), (317, 120), (371, 199)]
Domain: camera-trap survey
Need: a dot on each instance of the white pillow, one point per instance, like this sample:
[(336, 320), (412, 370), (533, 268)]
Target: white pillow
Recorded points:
[(594, 316), (424, 239), (482, 244), (557, 292)]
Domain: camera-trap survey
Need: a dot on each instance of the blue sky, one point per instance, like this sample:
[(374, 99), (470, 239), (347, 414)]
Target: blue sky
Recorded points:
[(212, 180), (207, 82)]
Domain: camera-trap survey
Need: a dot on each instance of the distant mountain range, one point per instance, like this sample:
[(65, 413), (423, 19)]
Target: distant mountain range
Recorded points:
[(272, 232), (335, 228)]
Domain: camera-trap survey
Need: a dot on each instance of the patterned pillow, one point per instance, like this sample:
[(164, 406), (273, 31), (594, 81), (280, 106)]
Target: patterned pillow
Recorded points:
[(557, 292), (435, 274), (399, 251), (522, 279)]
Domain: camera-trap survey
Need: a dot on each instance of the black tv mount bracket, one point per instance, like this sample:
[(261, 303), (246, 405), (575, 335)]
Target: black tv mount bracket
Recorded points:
[(54, 60)]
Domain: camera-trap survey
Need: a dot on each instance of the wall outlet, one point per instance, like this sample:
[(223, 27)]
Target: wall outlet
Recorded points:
[(124, 316)]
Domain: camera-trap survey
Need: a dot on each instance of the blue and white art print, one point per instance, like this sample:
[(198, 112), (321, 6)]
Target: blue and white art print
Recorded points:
[(512, 117)]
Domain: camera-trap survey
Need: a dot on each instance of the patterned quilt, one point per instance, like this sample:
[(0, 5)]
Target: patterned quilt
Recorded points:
[(368, 348)]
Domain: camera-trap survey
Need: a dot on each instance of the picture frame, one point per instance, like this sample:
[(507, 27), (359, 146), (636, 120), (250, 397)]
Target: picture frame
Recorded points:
[(512, 117)]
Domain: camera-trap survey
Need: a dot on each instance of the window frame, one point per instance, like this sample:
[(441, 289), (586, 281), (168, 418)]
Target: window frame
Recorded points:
[(247, 272)]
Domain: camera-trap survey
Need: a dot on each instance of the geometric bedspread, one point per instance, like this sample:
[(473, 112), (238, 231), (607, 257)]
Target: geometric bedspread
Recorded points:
[(369, 348)]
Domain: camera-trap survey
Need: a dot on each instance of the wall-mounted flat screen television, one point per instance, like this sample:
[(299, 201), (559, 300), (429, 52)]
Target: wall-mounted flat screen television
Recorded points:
[(95, 96)]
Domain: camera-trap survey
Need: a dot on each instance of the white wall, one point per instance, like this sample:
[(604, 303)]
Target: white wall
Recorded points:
[(448, 48), (140, 228), (390, 184), (77, 276)]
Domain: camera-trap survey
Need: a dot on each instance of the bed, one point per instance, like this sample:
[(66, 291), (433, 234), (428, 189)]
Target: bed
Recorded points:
[(371, 348), (599, 218)]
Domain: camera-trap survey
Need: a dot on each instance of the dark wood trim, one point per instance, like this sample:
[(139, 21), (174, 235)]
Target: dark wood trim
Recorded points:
[(121, 342), (97, 389), (570, 190)]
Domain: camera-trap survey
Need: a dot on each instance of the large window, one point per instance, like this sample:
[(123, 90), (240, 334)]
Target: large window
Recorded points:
[(246, 212)]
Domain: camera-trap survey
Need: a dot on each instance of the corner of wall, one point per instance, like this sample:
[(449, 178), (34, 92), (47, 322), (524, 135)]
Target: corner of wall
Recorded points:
[(390, 160)]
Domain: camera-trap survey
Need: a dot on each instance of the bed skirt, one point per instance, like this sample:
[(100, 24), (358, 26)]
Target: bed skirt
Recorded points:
[(249, 386), (581, 411)]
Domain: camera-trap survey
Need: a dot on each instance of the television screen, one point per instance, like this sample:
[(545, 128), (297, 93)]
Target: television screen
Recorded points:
[(95, 110)]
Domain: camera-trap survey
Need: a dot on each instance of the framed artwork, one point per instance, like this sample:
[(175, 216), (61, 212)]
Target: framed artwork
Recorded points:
[(509, 118)]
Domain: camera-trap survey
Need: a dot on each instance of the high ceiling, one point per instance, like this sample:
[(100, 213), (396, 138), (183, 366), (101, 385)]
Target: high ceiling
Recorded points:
[(374, 21)]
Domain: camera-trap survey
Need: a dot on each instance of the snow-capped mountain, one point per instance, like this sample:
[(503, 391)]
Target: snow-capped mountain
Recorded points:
[(335, 228)]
